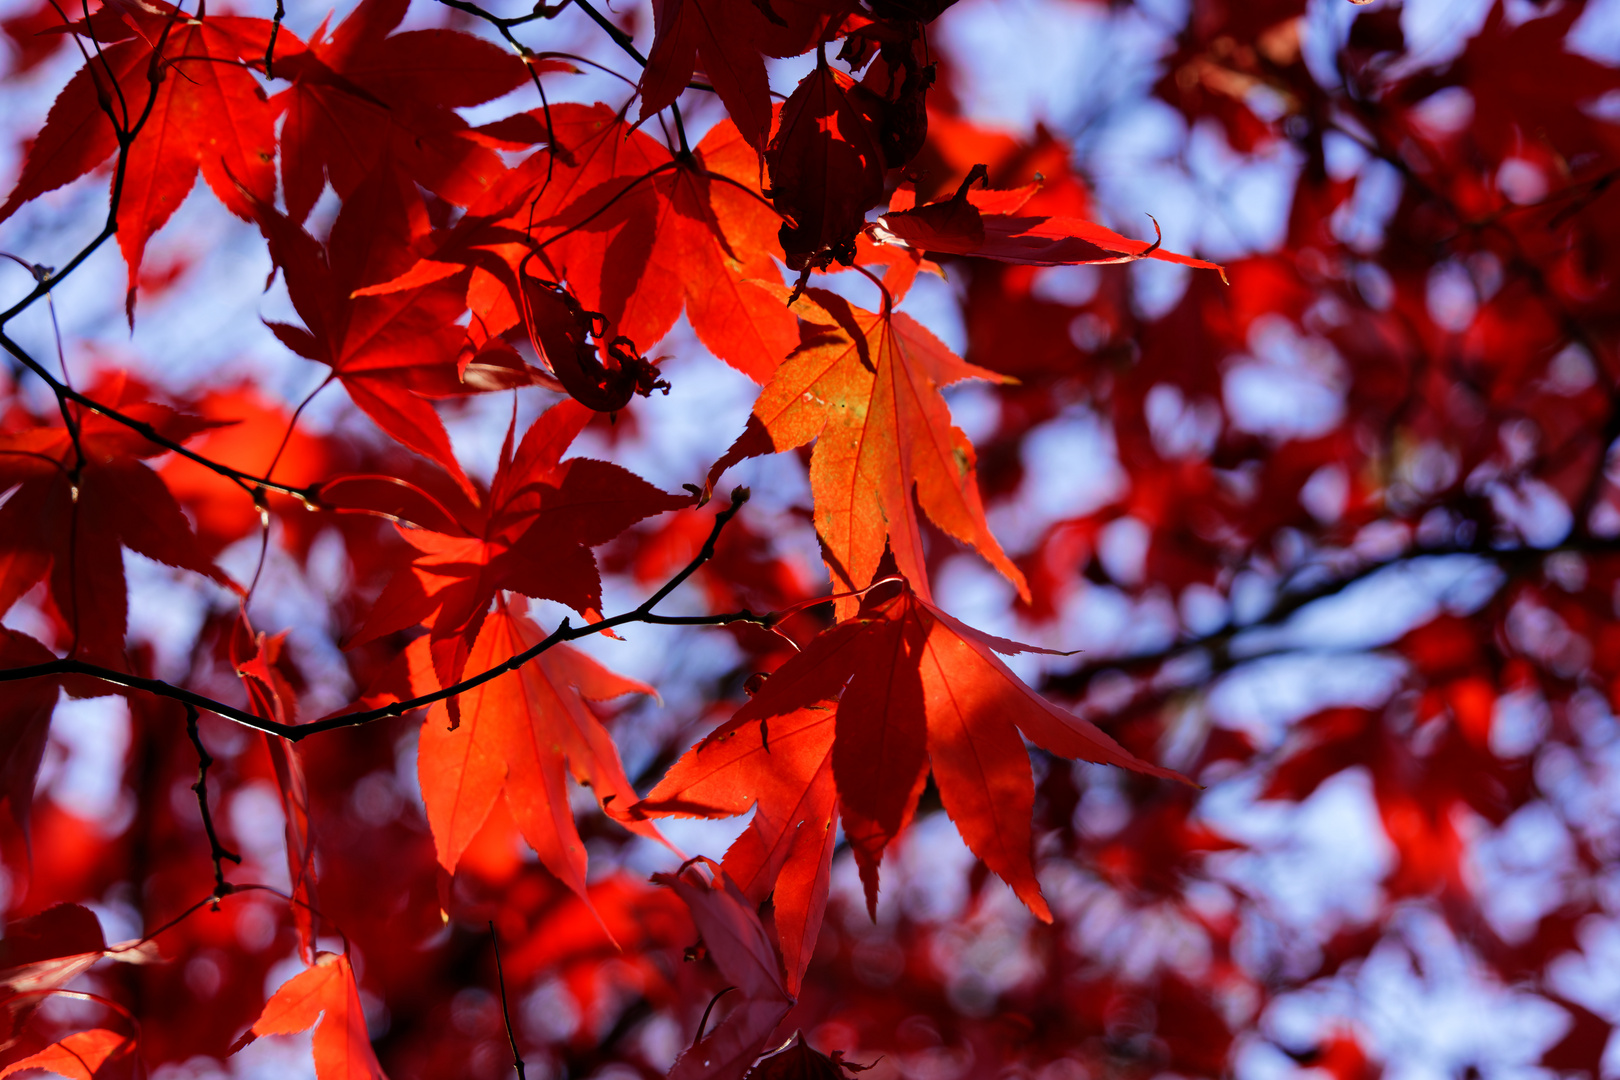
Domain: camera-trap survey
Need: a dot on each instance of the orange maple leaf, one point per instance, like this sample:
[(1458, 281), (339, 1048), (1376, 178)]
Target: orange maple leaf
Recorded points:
[(81, 1056), (323, 994), (522, 734), (866, 387)]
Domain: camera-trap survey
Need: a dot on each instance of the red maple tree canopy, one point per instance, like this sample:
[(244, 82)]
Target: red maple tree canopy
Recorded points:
[(704, 538)]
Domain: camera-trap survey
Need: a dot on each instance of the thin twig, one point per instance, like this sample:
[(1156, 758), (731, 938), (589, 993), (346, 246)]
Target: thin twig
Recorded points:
[(506, 1011), (680, 130), (126, 138), (619, 37), (246, 480), (270, 46), (124, 133), (526, 54), (541, 11), (1221, 646), (216, 850), (624, 42), (44, 280), (739, 496)]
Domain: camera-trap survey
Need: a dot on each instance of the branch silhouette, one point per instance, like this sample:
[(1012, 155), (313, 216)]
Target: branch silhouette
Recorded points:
[(565, 632)]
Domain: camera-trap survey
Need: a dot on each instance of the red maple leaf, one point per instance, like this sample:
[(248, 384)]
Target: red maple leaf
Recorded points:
[(797, 1061), (261, 663), (584, 203), (987, 224), (723, 33), (68, 519), (250, 437), (33, 36), (43, 953), (49, 949), (915, 690), (208, 113), (712, 241), (25, 721), (84, 1055), (391, 352), (737, 942), (637, 234), (532, 534), (1496, 70), (826, 169), (553, 218), (363, 96)]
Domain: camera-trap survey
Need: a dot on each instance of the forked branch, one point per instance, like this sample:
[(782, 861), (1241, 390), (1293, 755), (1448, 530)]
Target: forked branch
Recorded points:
[(217, 851)]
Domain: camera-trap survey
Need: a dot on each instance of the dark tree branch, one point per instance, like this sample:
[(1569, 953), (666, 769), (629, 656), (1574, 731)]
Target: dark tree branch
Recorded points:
[(541, 11), (64, 393), (620, 38), (1220, 645), (506, 1011), (275, 32), (216, 850), (297, 732)]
